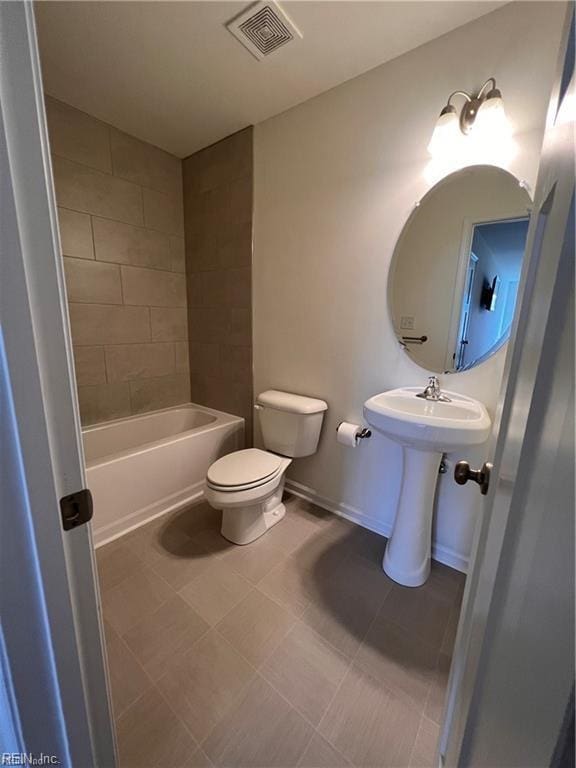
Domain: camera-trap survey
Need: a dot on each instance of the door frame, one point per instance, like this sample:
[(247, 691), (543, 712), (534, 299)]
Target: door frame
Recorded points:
[(42, 428), (468, 225)]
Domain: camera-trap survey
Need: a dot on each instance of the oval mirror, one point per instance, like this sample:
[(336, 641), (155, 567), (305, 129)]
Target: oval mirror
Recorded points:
[(456, 269)]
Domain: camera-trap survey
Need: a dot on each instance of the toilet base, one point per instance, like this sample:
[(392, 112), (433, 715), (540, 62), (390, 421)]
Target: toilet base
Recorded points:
[(242, 525)]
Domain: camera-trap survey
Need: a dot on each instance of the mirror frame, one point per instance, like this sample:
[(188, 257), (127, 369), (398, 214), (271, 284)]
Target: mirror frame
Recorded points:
[(505, 337)]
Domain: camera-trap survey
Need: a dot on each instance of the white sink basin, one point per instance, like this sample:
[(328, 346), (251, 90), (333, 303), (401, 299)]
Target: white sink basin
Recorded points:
[(425, 429), (428, 424)]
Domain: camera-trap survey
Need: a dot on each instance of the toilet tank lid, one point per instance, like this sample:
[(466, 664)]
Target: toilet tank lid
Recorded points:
[(286, 401)]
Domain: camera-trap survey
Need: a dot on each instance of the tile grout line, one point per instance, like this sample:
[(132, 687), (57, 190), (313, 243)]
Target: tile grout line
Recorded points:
[(258, 674), (415, 741)]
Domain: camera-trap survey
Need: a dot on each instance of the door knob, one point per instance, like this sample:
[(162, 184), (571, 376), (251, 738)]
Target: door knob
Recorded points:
[(463, 473)]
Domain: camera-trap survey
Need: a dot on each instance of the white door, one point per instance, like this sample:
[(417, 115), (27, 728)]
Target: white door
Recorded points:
[(511, 682), (54, 700)]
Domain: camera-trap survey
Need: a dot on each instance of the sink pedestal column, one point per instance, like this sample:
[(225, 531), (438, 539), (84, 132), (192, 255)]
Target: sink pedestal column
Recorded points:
[(407, 556)]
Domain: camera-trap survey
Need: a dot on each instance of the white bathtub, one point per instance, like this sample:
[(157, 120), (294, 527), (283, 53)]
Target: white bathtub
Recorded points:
[(143, 466)]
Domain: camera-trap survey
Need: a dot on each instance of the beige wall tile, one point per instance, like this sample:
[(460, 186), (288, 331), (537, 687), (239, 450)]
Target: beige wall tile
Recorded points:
[(205, 358), (125, 362), (125, 244), (236, 250), (202, 252), (83, 189), (92, 282), (239, 288), (240, 328), (169, 324), (235, 363), (153, 288), (89, 365), (145, 164), (103, 402), (75, 234), (150, 394), (119, 272), (78, 136), (104, 324), (208, 289), (224, 161), (178, 251), (240, 200), (209, 325), (163, 212), (181, 354)]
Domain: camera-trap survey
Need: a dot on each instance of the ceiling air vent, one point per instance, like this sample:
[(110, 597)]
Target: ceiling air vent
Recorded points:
[(263, 28)]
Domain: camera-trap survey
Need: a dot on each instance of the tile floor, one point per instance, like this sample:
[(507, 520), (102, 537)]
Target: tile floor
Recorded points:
[(295, 650)]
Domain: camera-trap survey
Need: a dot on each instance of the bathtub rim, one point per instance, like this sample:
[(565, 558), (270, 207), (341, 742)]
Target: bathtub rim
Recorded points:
[(221, 418)]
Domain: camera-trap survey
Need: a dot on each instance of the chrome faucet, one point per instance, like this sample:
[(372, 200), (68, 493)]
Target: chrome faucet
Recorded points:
[(432, 391)]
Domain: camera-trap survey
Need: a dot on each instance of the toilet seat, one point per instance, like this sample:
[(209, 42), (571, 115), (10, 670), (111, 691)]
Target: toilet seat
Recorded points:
[(244, 470)]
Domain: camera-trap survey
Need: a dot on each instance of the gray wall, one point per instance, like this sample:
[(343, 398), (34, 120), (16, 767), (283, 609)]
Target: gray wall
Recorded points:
[(335, 180)]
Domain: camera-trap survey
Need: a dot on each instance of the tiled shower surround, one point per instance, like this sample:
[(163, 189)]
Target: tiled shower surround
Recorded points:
[(120, 209), (218, 216)]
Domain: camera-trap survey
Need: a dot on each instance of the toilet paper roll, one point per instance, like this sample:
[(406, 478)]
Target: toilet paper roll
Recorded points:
[(348, 433)]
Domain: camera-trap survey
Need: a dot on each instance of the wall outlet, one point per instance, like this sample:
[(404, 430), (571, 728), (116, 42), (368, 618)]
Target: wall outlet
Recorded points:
[(407, 322)]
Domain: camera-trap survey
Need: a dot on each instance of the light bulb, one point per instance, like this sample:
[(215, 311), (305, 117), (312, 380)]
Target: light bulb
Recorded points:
[(491, 121), (446, 132)]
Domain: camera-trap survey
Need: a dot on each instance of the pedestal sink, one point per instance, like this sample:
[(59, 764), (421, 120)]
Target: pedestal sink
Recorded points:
[(425, 429)]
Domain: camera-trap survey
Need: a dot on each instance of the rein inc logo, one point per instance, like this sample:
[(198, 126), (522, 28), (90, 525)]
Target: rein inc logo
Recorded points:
[(28, 758)]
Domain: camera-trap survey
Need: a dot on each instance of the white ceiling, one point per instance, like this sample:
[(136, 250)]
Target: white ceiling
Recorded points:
[(171, 74)]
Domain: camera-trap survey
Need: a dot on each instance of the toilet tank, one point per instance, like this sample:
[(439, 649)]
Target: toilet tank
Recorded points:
[(290, 423)]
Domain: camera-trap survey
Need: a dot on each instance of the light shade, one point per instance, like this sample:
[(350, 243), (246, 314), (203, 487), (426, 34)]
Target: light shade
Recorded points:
[(491, 121), (446, 132)]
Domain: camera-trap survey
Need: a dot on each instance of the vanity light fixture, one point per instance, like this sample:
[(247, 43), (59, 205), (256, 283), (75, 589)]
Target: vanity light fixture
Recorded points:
[(482, 115)]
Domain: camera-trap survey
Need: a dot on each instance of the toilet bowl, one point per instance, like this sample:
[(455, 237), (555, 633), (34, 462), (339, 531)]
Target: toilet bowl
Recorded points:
[(248, 485)]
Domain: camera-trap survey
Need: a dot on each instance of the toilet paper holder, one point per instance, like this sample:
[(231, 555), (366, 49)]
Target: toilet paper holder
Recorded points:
[(362, 435)]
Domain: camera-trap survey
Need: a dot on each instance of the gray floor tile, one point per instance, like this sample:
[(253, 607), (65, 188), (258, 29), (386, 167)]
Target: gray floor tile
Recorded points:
[(206, 683), (128, 681), (261, 731), (306, 670), (161, 639), (134, 598), (370, 724), (215, 592), (321, 754), (398, 659), (424, 750), (150, 735), (256, 626)]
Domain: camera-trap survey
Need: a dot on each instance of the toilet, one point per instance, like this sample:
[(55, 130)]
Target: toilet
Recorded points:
[(248, 485)]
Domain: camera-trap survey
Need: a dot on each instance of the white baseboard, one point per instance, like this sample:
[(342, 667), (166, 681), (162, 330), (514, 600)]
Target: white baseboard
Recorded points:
[(107, 533), (442, 554)]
